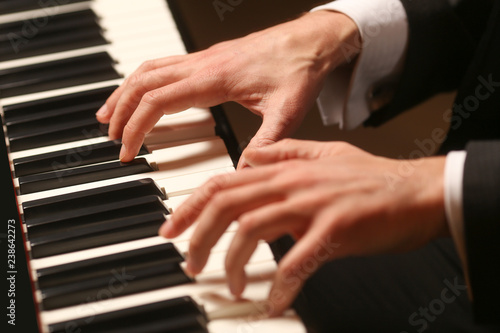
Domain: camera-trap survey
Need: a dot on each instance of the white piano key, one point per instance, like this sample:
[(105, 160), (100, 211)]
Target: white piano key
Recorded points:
[(161, 154), (44, 11), (122, 20), (210, 291), (190, 166), (159, 39), (186, 184)]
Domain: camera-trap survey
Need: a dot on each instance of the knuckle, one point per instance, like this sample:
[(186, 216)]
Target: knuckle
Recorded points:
[(135, 81), (220, 201), (218, 183), (287, 142), (147, 66), (129, 131), (152, 98), (248, 225)]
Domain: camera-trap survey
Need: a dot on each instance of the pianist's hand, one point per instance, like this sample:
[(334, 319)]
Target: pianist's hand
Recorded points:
[(334, 199), (276, 73)]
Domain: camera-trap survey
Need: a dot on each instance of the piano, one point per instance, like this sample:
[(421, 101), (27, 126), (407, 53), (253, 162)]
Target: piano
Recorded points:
[(80, 228)]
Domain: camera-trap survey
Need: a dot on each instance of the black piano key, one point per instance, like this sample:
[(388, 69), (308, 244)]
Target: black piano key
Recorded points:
[(141, 278), (56, 24), (52, 121), (133, 271), (67, 203), (189, 323), (87, 215), (72, 130), (70, 158), (47, 44), (80, 270), (44, 35), (14, 6), (57, 74), (62, 112), (28, 111), (81, 175), (112, 231), (59, 125), (177, 315)]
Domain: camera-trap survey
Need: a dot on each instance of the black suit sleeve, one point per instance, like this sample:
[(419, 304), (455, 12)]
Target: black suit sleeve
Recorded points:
[(441, 43), (481, 197)]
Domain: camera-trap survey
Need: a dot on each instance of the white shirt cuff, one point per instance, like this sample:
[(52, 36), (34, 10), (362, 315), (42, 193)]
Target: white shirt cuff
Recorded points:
[(347, 96), (453, 194)]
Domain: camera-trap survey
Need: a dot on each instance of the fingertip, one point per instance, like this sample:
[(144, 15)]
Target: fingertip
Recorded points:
[(278, 301), (124, 154), (251, 157), (166, 228), (237, 284), (103, 114), (192, 267), (129, 151), (242, 163)]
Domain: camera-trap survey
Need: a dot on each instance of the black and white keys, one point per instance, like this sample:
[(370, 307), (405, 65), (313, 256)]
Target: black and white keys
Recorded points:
[(72, 229)]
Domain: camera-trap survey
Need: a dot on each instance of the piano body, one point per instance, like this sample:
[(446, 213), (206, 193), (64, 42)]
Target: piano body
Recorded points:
[(80, 228)]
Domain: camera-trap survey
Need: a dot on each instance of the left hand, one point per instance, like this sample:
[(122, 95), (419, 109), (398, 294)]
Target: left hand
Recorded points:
[(276, 73), (329, 194)]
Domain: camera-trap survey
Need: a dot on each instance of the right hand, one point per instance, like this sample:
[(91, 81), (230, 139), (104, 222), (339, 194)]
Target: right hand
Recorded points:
[(276, 73)]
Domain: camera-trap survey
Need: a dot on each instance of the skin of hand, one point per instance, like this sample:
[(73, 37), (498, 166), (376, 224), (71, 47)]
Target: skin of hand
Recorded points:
[(276, 73), (336, 201)]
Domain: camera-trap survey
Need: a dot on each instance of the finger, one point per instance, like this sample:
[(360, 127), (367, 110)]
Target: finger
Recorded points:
[(238, 255), (272, 130), (133, 91), (172, 98), (224, 208), (188, 212), (302, 261), (106, 111), (268, 223), (286, 149), (135, 131)]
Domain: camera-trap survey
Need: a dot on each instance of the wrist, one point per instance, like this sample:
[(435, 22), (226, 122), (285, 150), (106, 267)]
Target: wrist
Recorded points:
[(431, 195), (338, 38)]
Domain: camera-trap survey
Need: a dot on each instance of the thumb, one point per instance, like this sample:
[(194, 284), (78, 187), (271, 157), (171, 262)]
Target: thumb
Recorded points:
[(274, 127), (271, 131), (283, 150)]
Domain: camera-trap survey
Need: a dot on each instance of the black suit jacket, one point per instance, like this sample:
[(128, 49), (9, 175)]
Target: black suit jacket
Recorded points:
[(458, 47)]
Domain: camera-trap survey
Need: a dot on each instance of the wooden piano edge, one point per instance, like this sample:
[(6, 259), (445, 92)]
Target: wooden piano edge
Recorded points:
[(23, 312)]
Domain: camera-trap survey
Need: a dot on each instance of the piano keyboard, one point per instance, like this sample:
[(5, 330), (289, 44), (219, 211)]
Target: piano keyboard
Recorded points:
[(90, 221)]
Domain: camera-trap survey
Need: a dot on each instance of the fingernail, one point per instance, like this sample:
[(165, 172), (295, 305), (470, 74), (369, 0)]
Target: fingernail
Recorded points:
[(102, 111), (123, 152)]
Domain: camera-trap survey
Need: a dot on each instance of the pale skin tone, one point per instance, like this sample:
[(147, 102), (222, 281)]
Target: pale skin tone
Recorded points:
[(336, 200)]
